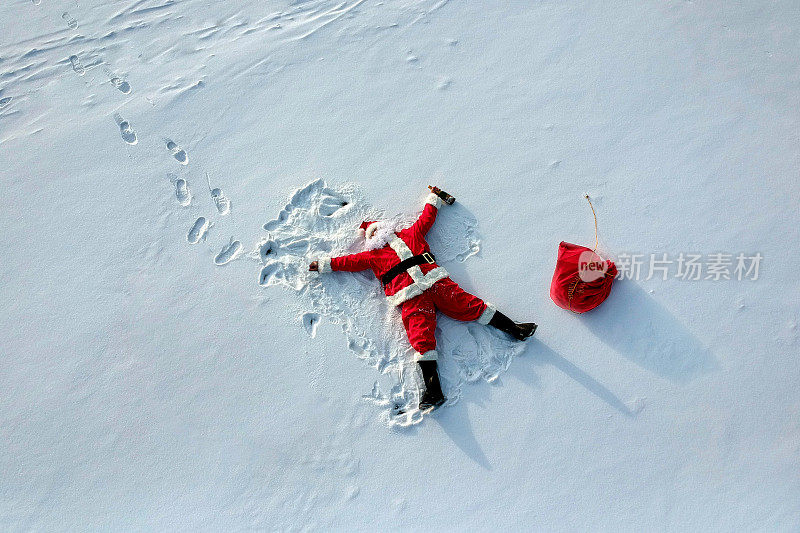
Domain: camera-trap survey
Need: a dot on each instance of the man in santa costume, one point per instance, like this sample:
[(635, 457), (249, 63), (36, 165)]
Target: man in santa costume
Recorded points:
[(402, 260)]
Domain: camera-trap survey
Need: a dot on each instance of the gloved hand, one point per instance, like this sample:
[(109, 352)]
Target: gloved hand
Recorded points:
[(446, 198)]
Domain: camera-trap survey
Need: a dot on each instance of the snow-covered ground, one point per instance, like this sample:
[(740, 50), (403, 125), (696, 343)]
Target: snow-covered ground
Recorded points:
[(169, 167)]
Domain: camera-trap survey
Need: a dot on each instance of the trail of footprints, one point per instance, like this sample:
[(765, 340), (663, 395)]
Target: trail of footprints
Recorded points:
[(199, 230), (201, 226), (222, 204)]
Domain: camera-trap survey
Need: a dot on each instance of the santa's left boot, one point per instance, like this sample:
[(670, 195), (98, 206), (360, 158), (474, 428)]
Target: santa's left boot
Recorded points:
[(432, 397), (518, 331)]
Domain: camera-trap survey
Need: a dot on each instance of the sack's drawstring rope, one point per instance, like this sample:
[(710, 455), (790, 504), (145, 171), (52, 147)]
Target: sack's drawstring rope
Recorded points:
[(595, 222), (574, 285)]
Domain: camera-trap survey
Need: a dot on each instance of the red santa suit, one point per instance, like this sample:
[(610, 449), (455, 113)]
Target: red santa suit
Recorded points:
[(420, 290)]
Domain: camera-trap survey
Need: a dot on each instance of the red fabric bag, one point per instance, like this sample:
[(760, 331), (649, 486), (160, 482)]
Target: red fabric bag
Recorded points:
[(582, 279)]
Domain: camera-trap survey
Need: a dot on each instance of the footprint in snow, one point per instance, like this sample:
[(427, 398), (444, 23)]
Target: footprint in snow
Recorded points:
[(198, 231), (178, 153), (220, 200), (123, 86), (228, 253), (77, 66), (71, 22), (266, 249), (330, 205), (310, 322), (4, 101), (182, 192), (36, 2), (270, 274), (120, 84), (128, 135)]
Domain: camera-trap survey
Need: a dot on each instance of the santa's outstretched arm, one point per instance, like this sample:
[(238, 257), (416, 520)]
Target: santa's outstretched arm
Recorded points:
[(348, 263), (428, 216)]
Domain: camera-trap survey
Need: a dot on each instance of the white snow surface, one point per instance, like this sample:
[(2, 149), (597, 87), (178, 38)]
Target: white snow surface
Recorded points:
[(170, 167)]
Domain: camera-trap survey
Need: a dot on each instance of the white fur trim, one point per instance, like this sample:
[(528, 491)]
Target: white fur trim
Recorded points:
[(416, 274), (421, 282), (324, 265), (418, 287), (378, 234), (361, 232), (404, 252), (405, 294), (401, 248), (430, 355), (434, 200), (487, 314)]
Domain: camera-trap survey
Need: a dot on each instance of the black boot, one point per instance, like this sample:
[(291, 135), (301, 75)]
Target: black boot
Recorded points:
[(432, 397), (518, 331)]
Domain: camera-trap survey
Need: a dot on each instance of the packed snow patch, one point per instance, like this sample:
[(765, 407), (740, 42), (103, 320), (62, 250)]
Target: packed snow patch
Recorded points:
[(320, 220)]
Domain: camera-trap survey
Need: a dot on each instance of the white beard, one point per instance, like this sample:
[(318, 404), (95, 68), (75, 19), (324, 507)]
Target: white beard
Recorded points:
[(379, 234)]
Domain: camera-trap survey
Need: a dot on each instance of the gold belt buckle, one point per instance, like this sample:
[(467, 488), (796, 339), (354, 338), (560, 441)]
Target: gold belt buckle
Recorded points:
[(428, 258)]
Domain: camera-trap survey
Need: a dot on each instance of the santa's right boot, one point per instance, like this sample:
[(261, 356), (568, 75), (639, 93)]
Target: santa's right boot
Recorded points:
[(432, 397), (518, 331)]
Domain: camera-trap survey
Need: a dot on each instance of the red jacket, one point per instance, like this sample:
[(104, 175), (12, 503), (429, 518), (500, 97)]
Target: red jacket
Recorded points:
[(406, 243)]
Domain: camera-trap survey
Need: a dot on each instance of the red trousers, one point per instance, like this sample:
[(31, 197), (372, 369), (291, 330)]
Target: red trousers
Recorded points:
[(419, 313)]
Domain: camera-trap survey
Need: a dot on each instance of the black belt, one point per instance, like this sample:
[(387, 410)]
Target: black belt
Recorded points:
[(405, 264)]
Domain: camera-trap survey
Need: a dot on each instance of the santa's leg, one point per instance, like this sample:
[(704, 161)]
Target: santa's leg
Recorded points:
[(457, 303), (419, 318)]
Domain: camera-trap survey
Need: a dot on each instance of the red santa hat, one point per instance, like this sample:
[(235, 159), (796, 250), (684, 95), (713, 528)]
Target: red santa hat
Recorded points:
[(365, 227)]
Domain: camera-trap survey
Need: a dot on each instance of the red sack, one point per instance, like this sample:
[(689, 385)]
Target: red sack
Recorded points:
[(582, 279)]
